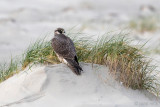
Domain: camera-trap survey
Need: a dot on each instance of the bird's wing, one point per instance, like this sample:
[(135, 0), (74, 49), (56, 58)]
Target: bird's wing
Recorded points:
[(74, 66), (64, 47)]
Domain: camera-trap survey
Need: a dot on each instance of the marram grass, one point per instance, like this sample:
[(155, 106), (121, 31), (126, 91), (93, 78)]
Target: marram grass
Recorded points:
[(7, 71), (126, 63), (39, 52), (145, 24)]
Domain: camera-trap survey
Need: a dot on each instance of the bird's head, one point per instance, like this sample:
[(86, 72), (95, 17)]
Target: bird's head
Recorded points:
[(59, 31)]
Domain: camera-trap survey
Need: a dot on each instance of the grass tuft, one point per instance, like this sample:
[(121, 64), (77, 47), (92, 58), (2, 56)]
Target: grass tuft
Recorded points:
[(39, 52), (7, 71), (146, 24), (126, 63)]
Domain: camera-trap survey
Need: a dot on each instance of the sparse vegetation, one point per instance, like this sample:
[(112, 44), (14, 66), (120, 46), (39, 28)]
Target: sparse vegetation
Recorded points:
[(40, 52), (156, 50), (126, 63), (146, 24)]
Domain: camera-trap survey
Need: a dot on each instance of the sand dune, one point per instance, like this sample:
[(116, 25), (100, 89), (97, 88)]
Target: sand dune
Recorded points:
[(57, 86)]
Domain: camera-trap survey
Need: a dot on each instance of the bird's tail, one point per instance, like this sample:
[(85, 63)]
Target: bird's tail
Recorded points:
[(74, 66)]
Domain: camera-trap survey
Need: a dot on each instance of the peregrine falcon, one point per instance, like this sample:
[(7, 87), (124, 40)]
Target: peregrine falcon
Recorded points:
[(64, 48)]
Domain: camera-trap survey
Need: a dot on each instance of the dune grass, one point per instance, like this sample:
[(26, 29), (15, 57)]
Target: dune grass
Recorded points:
[(39, 52), (7, 71), (145, 24), (126, 63), (156, 50)]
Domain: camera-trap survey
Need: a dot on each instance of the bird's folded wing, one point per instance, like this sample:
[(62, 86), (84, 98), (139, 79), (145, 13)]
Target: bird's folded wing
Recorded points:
[(64, 48)]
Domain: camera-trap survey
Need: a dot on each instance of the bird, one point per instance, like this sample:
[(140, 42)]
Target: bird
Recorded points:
[(64, 48)]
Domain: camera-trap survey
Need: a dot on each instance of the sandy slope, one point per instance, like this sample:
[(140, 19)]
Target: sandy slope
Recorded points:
[(57, 86)]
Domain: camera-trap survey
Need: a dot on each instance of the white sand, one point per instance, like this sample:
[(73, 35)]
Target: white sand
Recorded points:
[(57, 86)]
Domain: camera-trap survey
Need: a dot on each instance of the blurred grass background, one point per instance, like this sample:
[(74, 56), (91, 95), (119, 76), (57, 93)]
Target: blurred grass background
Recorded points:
[(22, 22)]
